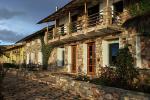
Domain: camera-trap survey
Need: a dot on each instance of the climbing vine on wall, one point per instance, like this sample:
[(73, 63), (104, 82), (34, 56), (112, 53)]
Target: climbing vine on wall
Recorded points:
[(140, 12), (140, 7), (46, 51)]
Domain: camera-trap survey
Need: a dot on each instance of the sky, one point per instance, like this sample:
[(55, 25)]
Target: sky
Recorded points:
[(18, 18)]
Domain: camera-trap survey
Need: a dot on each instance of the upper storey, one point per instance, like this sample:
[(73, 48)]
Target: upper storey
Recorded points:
[(82, 19)]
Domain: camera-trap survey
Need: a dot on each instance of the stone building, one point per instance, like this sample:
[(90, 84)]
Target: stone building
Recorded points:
[(13, 54), (88, 35), (33, 47)]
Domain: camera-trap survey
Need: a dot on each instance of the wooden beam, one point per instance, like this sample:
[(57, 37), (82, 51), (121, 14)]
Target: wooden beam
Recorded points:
[(69, 17), (55, 19), (47, 28), (85, 7), (107, 4)]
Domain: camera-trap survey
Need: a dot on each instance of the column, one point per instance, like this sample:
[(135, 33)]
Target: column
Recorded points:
[(108, 14)]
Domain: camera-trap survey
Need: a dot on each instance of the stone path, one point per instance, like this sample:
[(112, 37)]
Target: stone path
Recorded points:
[(21, 89)]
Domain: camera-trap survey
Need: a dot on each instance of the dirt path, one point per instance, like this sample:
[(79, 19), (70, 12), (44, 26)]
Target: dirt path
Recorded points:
[(20, 89)]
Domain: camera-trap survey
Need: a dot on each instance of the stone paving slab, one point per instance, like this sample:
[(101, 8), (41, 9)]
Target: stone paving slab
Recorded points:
[(20, 89)]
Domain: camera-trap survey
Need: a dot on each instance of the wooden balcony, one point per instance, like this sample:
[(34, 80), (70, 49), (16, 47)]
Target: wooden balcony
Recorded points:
[(102, 23)]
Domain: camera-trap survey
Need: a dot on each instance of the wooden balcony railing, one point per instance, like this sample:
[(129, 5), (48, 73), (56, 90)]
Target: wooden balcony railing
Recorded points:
[(50, 34), (117, 18), (95, 19), (75, 26), (88, 21), (62, 30)]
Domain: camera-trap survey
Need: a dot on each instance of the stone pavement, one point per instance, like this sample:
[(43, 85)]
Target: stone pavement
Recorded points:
[(20, 89)]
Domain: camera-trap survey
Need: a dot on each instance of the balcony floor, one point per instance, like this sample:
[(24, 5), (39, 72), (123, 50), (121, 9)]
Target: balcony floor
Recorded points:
[(93, 32)]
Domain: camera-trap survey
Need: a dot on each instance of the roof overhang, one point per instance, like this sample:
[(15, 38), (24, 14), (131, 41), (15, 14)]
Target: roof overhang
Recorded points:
[(71, 6), (40, 32)]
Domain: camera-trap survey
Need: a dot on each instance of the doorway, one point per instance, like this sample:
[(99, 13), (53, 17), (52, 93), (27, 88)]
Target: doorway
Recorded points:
[(91, 58), (74, 60)]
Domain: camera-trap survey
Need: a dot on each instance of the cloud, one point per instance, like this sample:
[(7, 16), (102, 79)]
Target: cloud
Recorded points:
[(10, 36), (8, 14)]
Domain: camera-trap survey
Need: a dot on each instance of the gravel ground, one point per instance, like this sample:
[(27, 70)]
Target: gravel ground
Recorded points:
[(21, 89)]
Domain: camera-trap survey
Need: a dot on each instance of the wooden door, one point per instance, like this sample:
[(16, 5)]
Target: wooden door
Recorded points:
[(91, 59), (74, 55)]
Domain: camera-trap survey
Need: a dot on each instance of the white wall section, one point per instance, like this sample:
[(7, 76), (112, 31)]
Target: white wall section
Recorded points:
[(85, 58)]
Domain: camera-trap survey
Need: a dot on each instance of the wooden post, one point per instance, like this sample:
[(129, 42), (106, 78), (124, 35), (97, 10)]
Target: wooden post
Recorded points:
[(46, 35), (107, 4), (54, 31), (56, 20), (85, 17), (85, 7), (69, 17), (69, 23)]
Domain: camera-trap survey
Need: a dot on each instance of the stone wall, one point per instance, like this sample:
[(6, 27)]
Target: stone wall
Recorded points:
[(145, 51), (85, 89), (126, 37), (80, 58), (53, 59), (52, 62), (129, 37), (99, 58), (32, 48)]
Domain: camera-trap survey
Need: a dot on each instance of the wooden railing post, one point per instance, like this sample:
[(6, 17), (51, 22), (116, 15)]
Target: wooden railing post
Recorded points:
[(54, 33), (85, 16), (69, 24)]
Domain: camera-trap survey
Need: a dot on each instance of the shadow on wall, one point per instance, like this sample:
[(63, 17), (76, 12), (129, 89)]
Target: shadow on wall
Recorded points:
[(57, 66)]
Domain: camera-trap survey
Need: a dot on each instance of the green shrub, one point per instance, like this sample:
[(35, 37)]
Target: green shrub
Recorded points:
[(122, 76), (9, 65), (140, 8), (107, 77), (82, 78), (125, 68)]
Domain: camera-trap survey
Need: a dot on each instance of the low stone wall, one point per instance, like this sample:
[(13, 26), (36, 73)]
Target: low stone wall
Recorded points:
[(85, 89), (144, 76)]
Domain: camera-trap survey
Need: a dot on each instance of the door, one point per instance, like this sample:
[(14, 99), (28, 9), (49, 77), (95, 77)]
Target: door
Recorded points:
[(74, 59), (91, 59)]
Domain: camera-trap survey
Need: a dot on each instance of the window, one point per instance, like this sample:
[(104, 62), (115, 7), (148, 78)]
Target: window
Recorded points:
[(63, 56), (118, 6), (60, 56), (93, 10), (113, 51)]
